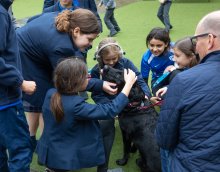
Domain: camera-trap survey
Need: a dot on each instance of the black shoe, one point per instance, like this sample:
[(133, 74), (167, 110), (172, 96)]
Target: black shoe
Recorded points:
[(171, 27), (122, 161), (118, 29)]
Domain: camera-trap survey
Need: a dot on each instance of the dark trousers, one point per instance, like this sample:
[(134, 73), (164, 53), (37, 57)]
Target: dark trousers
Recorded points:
[(110, 21), (108, 133), (163, 14), (14, 138)]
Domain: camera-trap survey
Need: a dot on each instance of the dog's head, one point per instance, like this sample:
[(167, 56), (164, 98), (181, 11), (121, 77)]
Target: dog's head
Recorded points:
[(117, 76)]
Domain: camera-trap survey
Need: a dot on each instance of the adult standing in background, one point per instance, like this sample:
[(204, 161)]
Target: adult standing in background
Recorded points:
[(163, 13), (109, 18), (15, 143), (188, 124)]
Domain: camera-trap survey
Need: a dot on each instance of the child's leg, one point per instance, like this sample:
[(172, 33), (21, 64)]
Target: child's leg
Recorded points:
[(108, 22), (108, 133), (114, 22)]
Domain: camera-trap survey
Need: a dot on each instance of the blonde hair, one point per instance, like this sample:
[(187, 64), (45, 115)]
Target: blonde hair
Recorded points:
[(114, 48)]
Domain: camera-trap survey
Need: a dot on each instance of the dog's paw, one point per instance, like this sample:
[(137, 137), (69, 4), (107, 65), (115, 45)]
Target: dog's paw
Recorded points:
[(122, 161)]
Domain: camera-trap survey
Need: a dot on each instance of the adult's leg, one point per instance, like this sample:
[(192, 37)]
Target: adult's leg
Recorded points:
[(160, 13), (17, 139), (166, 16), (108, 133), (33, 123)]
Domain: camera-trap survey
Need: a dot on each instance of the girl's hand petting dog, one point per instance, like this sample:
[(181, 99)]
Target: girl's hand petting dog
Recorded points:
[(130, 78)]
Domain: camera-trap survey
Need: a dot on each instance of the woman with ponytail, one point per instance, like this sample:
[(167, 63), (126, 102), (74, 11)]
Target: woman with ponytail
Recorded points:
[(43, 43)]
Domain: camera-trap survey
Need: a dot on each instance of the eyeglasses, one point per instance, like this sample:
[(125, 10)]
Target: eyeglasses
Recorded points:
[(194, 38)]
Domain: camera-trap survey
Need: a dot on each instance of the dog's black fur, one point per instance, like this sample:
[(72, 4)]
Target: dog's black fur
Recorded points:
[(137, 124)]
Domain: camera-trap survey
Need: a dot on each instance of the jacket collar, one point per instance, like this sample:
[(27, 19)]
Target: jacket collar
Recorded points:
[(215, 56), (6, 3)]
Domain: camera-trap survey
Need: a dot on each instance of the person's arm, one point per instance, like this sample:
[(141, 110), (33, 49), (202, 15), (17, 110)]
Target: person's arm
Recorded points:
[(109, 110), (9, 74), (167, 129), (98, 96), (145, 68)]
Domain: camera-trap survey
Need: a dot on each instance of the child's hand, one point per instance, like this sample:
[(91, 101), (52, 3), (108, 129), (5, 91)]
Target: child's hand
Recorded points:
[(109, 88), (129, 76), (29, 87), (155, 100), (161, 92), (169, 68)]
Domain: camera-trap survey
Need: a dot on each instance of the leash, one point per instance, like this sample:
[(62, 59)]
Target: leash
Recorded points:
[(152, 105)]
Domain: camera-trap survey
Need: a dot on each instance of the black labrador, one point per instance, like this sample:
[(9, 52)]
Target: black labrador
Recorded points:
[(137, 122)]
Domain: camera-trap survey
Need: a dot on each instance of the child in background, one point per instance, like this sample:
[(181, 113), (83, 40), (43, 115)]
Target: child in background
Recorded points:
[(109, 18), (71, 138), (110, 53), (158, 56), (185, 58)]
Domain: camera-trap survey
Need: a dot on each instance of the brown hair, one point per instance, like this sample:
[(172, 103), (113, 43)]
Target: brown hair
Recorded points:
[(67, 21), (185, 46), (105, 51), (69, 76)]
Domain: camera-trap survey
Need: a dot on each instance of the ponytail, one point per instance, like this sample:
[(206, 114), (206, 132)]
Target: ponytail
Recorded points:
[(56, 107)]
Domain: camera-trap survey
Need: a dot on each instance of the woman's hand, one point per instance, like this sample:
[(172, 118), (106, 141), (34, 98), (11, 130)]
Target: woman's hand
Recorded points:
[(29, 87), (110, 88)]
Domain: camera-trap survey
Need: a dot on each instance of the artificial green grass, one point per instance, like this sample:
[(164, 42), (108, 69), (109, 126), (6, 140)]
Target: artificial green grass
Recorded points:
[(135, 20)]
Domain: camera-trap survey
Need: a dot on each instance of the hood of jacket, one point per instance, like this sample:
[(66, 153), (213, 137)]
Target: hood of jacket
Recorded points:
[(6, 3)]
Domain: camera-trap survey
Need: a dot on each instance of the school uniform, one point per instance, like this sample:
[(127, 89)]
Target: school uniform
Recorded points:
[(155, 64), (14, 133), (41, 48), (76, 141)]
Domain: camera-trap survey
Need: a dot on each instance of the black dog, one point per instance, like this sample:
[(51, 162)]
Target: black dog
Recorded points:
[(137, 123)]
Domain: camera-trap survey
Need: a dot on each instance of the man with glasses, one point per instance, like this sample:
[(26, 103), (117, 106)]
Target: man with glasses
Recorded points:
[(189, 121)]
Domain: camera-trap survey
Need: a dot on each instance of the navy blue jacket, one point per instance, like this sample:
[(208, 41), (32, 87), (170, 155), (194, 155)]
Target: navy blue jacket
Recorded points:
[(10, 65), (76, 142), (41, 48), (123, 63), (189, 120)]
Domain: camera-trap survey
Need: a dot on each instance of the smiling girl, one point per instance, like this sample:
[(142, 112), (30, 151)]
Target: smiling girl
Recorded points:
[(158, 56)]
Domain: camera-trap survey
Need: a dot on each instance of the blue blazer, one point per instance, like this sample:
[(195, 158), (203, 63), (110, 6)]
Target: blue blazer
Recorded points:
[(41, 48), (76, 142)]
